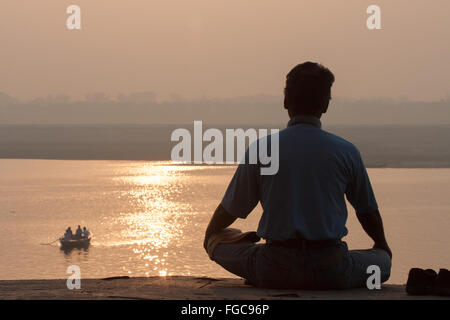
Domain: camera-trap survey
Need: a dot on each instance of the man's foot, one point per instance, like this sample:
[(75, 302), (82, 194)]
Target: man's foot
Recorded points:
[(421, 282)]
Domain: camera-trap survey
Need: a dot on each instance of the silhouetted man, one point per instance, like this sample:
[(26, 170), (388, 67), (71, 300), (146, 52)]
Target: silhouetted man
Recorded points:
[(304, 209)]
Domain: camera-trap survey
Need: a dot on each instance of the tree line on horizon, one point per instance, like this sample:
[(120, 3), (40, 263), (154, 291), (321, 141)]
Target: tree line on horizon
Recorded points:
[(145, 108)]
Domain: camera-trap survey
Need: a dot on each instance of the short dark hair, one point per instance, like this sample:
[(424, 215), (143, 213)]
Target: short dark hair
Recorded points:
[(308, 89)]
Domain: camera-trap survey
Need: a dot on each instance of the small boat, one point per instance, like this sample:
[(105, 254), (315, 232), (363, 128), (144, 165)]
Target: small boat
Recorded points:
[(75, 243)]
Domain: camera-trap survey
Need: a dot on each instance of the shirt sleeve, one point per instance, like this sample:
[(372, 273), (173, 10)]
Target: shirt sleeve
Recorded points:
[(242, 194), (359, 190)]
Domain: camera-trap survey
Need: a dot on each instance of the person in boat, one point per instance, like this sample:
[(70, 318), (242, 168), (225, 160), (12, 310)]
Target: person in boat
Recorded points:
[(86, 233), (68, 235), (78, 233)]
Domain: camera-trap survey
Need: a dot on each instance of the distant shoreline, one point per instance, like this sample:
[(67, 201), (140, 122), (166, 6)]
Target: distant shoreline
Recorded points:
[(381, 146)]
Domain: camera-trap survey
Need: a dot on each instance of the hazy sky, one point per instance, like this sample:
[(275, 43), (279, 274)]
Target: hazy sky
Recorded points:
[(219, 48)]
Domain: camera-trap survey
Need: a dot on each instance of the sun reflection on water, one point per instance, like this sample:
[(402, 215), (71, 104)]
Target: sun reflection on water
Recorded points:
[(154, 225)]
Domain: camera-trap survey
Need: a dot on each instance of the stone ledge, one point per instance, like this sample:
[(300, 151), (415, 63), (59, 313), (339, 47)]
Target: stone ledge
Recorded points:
[(183, 288)]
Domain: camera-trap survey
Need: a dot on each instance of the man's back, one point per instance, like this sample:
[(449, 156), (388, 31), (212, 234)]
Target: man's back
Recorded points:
[(305, 199)]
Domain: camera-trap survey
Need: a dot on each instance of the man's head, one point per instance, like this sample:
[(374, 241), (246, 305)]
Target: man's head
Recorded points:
[(308, 89)]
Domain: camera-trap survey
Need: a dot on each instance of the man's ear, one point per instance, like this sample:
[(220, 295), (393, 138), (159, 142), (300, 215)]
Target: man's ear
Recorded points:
[(285, 103)]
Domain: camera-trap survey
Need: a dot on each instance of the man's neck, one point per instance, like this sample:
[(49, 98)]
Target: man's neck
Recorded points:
[(305, 119), (317, 115)]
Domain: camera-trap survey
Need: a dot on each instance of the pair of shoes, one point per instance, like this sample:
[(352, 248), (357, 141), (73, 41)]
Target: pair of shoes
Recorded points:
[(425, 282), (421, 282)]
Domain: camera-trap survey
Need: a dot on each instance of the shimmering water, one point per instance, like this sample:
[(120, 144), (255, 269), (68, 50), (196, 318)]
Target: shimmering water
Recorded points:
[(148, 218)]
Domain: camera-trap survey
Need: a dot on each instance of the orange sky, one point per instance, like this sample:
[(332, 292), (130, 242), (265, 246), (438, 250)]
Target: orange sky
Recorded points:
[(221, 48)]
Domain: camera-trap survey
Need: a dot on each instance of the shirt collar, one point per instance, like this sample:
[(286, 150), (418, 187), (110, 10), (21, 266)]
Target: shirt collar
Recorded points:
[(301, 119)]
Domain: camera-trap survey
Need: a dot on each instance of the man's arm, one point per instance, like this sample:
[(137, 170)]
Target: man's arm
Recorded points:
[(373, 225), (220, 220), (240, 199)]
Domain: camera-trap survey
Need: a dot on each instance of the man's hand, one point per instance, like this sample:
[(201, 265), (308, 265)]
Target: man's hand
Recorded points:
[(373, 225), (205, 241), (219, 221)]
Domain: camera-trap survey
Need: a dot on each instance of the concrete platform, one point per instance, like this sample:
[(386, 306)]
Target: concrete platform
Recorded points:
[(182, 288)]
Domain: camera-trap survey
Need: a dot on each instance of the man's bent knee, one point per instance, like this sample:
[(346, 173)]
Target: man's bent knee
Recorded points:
[(384, 262), (236, 258)]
